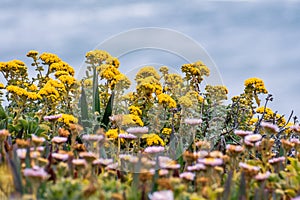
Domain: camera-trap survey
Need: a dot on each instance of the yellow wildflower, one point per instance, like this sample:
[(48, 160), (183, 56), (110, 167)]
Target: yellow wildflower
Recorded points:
[(148, 85), (96, 57), (87, 82), (113, 61), (164, 70), (2, 86), (62, 66), (255, 84), (32, 87), (68, 119), (68, 80), (153, 139), (16, 90), (166, 131), (216, 93), (135, 110), (167, 100), (32, 53), (49, 58), (112, 133), (131, 119), (197, 69), (147, 71)]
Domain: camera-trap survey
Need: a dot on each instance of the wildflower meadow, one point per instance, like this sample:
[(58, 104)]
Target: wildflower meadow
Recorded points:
[(172, 137)]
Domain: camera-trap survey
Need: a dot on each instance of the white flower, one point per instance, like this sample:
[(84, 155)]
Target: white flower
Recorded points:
[(193, 121), (59, 140), (187, 175), (162, 195), (36, 172), (138, 130), (93, 138), (154, 149)]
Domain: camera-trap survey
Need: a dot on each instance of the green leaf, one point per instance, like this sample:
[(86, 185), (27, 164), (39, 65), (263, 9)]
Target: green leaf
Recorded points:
[(2, 113), (108, 111), (96, 98), (84, 118)]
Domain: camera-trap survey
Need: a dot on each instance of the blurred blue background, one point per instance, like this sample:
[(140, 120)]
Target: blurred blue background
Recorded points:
[(244, 38)]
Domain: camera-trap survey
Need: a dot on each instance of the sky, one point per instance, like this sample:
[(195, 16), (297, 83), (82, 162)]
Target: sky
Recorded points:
[(242, 39)]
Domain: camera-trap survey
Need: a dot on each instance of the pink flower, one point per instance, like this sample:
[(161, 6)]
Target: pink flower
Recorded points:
[(127, 136), (276, 160), (52, 117), (36, 172), (154, 149), (242, 133), (262, 177), (196, 167), (187, 175), (211, 161), (59, 140), (162, 195), (94, 138), (270, 126), (253, 138), (138, 130), (102, 161), (60, 156)]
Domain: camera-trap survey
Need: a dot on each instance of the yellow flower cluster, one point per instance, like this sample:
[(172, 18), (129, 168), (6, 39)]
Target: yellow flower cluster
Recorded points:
[(108, 72), (166, 100), (49, 58), (32, 53), (60, 73), (131, 119), (166, 131), (197, 69), (153, 139), (255, 85), (21, 92), (145, 72), (13, 67), (31, 87), (2, 86), (68, 80), (134, 110), (68, 119), (164, 70), (270, 115), (216, 93), (52, 90), (173, 80), (113, 61), (62, 66), (122, 81), (189, 99), (148, 86), (87, 82), (112, 133), (96, 57)]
